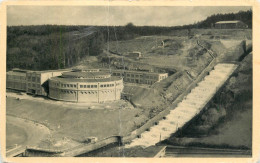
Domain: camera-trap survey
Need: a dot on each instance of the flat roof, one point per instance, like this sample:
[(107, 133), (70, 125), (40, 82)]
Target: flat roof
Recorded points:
[(227, 22), (44, 71), (131, 71), (79, 74), (61, 79), (16, 73)]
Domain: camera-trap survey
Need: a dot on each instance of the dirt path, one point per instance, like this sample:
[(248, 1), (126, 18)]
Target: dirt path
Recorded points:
[(31, 132)]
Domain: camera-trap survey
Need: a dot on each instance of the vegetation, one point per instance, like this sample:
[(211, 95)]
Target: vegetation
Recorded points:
[(52, 46)]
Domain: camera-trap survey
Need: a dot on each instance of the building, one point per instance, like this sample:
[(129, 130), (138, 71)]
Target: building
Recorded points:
[(37, 81), (85, 86), (230, 24), (32, 82), (141, 77), (16, 79), (134, 55)]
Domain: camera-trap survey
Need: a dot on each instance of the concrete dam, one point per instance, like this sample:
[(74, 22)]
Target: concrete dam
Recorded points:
[(188, 108)]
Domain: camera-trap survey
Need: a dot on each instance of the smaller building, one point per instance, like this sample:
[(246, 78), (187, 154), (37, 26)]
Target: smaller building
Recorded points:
[(235, 24), (134, 55)]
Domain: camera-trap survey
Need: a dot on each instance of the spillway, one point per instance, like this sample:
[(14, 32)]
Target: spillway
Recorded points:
[(188, 108)]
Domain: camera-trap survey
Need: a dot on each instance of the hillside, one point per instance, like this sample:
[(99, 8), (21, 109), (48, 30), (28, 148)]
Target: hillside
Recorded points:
[(50, 47), (228, 121), (46, 47)]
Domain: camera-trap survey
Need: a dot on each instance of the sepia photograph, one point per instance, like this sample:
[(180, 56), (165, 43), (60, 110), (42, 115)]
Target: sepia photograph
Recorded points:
[(129, 81)]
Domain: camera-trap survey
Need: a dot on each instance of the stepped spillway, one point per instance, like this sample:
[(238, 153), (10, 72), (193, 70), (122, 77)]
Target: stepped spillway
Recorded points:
[(188, 108)]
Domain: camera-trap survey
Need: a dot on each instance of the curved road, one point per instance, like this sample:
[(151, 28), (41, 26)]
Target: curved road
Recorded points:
[(31, 133)]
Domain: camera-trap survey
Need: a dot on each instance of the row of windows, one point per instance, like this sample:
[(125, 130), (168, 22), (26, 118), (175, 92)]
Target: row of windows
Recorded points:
[(88, 86), (67, 85), (140, 81), (33, 79), (34, 85), (84, 86), (137, 75), (107, 85), (69, 92), (16, 77), (86, 92)]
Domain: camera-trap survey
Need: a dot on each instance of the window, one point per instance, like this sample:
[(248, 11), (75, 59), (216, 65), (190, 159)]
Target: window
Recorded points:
[(101, 85), (132, 75), (95, 86), (88, 86), (128, 75), (38, 79), (33, 85), (81, 86), (105, 85), (29, 84), (68, 85), (85, 86), (112, 85), (71, 85), (33, 79), (92, 86), (75, 85)]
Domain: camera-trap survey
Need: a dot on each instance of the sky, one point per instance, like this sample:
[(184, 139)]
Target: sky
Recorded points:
[(113, 15)]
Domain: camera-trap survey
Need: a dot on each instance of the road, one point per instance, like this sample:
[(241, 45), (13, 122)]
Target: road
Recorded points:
[(33, 133)]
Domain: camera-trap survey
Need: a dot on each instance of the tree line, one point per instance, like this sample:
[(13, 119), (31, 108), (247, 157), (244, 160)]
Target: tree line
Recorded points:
[(46, 47)]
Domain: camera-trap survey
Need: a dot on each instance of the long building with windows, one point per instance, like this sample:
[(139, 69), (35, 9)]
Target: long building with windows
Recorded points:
[(85, 86), (140, 77)]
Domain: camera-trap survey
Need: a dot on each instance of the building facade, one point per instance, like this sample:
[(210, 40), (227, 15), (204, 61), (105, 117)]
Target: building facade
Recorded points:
[(16, 79), (37, 81), (140, 77), (32, 82), (85, 86), (230, 24)]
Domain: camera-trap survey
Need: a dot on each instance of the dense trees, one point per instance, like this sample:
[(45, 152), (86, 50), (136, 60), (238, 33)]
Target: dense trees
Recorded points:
[(50, 47)]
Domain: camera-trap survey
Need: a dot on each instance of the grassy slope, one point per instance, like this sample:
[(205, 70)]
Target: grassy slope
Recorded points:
[(76, 123)]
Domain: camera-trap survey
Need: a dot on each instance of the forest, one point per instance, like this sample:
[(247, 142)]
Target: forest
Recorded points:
[(45, 47)]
